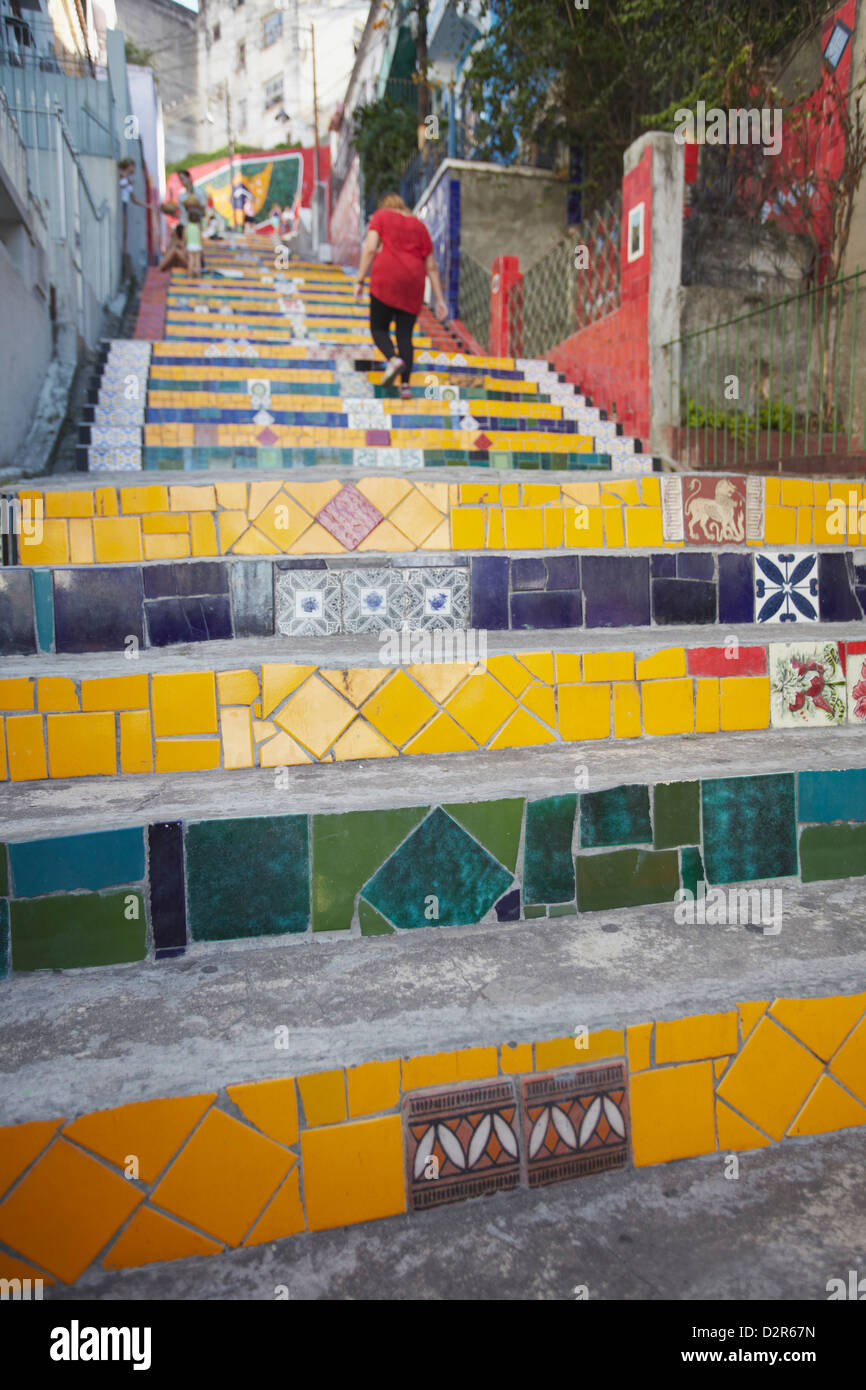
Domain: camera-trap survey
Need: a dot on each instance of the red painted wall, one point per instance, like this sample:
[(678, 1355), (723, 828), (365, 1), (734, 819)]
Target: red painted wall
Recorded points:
[(609, 360)]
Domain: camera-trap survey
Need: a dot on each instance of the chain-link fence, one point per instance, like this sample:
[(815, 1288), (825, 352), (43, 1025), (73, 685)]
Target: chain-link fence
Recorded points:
[(475, 299), (576, 283)]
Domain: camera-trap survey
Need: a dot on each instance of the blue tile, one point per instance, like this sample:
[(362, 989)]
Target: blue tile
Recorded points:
[(546, 610), (736, 589), (824, 797), (171, 621), (198, 577), (836, 600), (17, 627), (97, 610), (616, 590), (103, 859), (167, 892), (563, 572), (43, 598), (691, 566), (488, 587), (528, 574), (4, 939), (683, 601), (664, 566)]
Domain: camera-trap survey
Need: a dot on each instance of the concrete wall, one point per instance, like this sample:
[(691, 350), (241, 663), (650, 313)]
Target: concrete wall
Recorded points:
[(505, 212), (25, 343), (171, 31)]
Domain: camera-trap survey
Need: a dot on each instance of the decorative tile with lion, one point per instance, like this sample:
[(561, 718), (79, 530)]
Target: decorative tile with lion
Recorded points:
[(714, 510)]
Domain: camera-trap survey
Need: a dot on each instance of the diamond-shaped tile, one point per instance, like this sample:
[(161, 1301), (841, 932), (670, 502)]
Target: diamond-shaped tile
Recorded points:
[(315, 716), (308, 602), (575, 1123), (349, 517), (481, 706), (372, 600), (398, 708)]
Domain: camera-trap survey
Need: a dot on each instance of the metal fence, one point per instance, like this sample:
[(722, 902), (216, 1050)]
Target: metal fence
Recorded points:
[(475, 299), (86, 101), (780, 382), (572, 286)]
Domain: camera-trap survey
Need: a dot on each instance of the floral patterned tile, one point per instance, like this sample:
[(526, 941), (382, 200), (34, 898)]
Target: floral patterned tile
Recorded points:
[(307, 602), (372, 600), (807, 685), (575, 1123), (856, 681), (786, 587), (461, 1143), (436, 598)]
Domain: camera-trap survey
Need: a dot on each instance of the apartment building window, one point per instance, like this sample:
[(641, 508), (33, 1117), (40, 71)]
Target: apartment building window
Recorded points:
[(241, 57), (216, 32), (273, 91), (273, 28), (242, 114)]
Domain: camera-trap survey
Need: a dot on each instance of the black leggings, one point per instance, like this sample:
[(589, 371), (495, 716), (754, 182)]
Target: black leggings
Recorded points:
[(381, 316)]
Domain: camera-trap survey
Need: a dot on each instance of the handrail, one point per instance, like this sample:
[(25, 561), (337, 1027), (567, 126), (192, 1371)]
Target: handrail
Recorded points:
[(104, 210)]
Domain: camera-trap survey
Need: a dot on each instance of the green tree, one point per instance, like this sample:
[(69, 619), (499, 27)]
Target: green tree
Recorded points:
[(385, 137)]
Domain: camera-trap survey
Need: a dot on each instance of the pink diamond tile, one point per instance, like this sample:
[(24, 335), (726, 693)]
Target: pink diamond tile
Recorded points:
[(267, 436), (349, 517)]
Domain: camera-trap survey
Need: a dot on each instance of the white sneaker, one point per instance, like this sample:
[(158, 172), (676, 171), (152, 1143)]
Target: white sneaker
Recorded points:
[(394, 368)]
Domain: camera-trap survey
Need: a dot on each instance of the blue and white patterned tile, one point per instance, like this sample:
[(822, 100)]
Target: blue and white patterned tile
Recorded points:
[(308, 603), (113, 460), (786, 587), (436, 598), (372, 600)]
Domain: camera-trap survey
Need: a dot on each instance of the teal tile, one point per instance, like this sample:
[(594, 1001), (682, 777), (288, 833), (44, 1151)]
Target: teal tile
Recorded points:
[(4, 873), (80, 929), (692, 869), (832, 851), (439, 876), (626, 878), (617, 816), (749, 828), (347, 849), (676, 814), (832, 796), (99, 860), (247, 877), (43, 598), (4, 939), (548, 865), (495, 824)]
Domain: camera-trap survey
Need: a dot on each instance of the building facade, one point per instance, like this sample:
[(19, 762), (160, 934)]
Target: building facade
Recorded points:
[(167, 35)]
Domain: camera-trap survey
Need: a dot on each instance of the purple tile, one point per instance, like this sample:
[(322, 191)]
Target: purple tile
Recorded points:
[(488, 591), (508, 907), (377, 437), (198, 577), (546, 610), (528, 574), (167, 896), (616, 590), (97, 610), (17, 626), (174, 620), (563, 572), (736, 589), (695, 566), (349, 517), (683, 601), (664, 566), (836, 600)]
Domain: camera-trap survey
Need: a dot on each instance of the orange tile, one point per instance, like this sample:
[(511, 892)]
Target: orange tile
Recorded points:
[(24, 739), (17, 694), (136, 742), (184, 703), (323, 1095), (81, 745), (55, 693), (114, 692), (353, 1172), (187, 754), (373, 1087), (152, 1131), (272, 1106)]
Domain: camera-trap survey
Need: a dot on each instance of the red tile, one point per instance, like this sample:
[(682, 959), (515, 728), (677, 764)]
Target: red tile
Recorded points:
[(720, 661)]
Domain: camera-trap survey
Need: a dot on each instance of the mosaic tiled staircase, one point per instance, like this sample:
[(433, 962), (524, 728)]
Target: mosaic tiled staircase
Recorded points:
[(213, 691)]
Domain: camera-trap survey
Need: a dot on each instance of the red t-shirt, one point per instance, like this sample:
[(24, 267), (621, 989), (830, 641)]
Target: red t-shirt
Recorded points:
[(397, 276)]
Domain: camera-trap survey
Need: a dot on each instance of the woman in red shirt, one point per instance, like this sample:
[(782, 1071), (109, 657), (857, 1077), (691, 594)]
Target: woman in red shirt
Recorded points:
[(399, 248)]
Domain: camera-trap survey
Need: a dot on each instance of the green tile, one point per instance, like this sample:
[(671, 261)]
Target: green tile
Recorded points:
[(495, 824), (247, 877), (676, 814), (347, 849), (372, 922), (562, 910), (832, 851), (692, 869), (77, 929), (4, 873), (548, 865), (535, 910), (749, 828), (617, 816), (626, 878), (440, 876), (4, 939)]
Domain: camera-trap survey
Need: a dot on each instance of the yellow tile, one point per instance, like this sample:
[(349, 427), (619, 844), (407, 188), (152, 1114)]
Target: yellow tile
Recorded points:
[(695, 1038), (467, 528), (52, 548), (553, 527), (481, 706), (539, 494), (17, 694), (232, 495), (828, 1108), (770, 1079), (353, 1172), (166, 547), (540, 700), (284, 1214), (80, 543), (780, 526), (772, 492), (749, 1015), (829, 527), (372, 1087), (849, 1063), (416, 518), (223, 1177), (583, 527), (540, 664), (820, 1024), (116, 538), (578, 1048), (822, 492), (628, 491), (567, 668), (735, 1133), (81, 745), (672, 1113), (639, 1037), (187, 754), (315, 716), (607, 666), (231, 525), (278, 681), (20, 1144), (237, 687), (584, 712), (796, 492), (478, 492), (58, 504), (151, 1237), (317, 541), (651, 492), (495, 537), (522, 731), (509, 495), (313, 496), (431, 1069), (614, 531), (745, 702), (262, 729), (587, 494), (237, 737), (515, 1058), (323, 1095), (385, 493), (386, 536), (184, 703), (201, 498), (662, 664), (399, 708), (26, 747), (114, 693), (271, 1106), (441, 735), (626, 711), (282, 751), (144, 499), (55, 693), (167, 524), (136, 743), (706, 705), (668, 707), (105, 501), (524, 528), (509, 672), (65, 1210), (282, 521), (804, 525), (153, 1130), (643, 526), (355, 684)]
